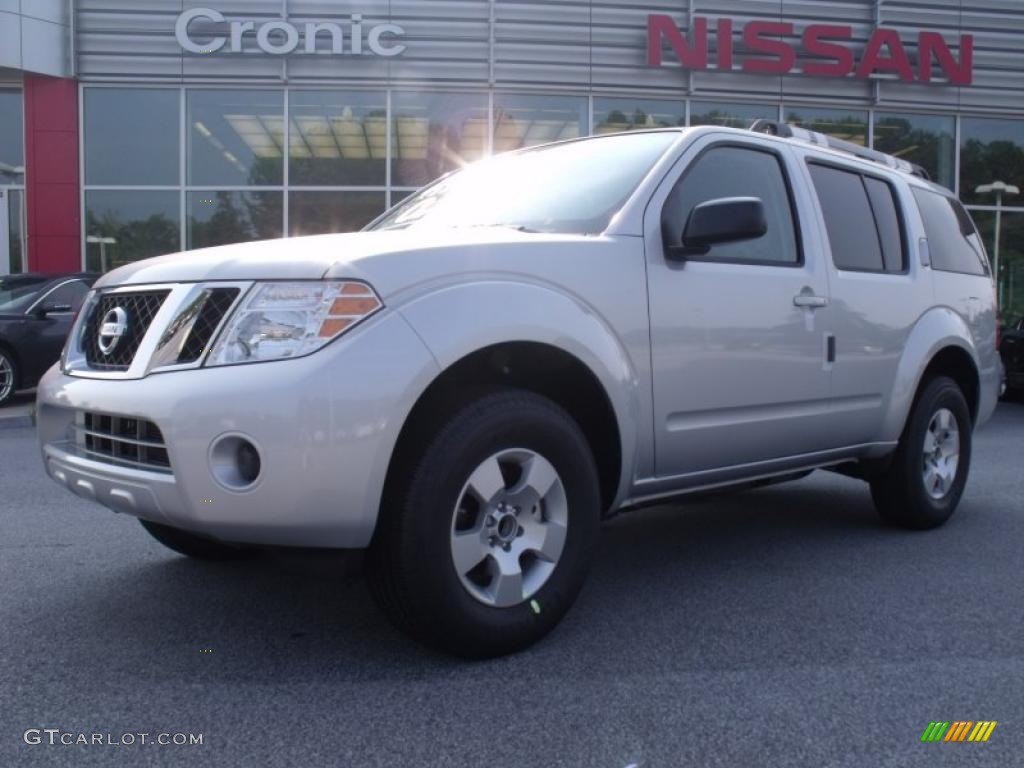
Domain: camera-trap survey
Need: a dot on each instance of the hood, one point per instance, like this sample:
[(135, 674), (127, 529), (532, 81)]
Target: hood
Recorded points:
[(388, 260), (301, 258)]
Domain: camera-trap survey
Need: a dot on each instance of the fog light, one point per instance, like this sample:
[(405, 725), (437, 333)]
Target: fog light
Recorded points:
[(248, 459), (235, 462)]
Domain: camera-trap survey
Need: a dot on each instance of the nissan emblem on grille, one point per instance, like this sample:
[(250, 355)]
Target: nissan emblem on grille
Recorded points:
[(112, 328)]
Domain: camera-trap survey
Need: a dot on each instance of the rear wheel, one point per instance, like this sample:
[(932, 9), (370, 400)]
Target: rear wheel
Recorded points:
[(484, 542), (191, 545), (924, 482), (8, 377)]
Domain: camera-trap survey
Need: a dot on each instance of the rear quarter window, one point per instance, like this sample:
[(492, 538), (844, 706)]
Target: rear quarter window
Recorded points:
[(953, 241)]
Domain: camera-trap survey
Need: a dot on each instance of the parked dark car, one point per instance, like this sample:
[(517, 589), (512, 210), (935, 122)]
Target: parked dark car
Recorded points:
[(36, 312), (1011, 349)]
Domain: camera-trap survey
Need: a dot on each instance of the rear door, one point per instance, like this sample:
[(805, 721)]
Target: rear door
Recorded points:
[(738, 335), (878, 291)]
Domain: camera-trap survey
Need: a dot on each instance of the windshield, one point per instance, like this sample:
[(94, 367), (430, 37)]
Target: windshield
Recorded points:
[(574, 187), (17, 293)]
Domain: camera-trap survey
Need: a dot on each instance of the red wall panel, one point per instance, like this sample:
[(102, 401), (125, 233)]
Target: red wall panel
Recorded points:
[(51, 174)]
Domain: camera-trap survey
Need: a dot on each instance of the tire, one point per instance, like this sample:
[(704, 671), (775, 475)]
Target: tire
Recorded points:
[(921, 489), (194, 546), (8, 376), (460, 492)]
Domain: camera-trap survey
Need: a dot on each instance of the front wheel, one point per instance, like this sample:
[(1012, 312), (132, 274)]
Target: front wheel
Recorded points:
[(926, 478), (484, 542)]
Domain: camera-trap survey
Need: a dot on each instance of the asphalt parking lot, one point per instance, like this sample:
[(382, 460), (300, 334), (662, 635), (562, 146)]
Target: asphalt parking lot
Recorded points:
[(775, 627)]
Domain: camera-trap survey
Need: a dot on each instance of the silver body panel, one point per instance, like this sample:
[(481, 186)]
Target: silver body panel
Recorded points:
[(713, 374)]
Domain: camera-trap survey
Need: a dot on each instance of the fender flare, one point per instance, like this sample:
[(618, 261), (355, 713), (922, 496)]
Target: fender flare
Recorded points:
[(935, 330), (496, 311)]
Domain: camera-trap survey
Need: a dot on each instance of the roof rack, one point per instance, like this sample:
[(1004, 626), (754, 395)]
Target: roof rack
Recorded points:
[(787, 131)]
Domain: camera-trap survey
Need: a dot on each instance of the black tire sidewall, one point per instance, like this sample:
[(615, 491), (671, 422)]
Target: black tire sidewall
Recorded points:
[(904, 496), (449, 615)]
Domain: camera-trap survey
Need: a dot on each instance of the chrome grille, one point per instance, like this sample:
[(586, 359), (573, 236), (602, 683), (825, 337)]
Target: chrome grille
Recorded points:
[(140, 307), (218, 302), (121, 440)]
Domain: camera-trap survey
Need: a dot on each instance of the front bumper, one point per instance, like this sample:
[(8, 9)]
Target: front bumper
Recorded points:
[(325, 426)]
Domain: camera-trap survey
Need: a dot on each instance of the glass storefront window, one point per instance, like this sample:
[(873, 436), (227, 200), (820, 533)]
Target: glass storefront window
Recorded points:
[(219, 218), (318, 213), (846, 124), (730, 115), (433, 133), (1009, 260), (142, 223), (16, 230), (613, 115), (337, 138), (12, 137), (522, 120), (990, 150), (235, 137), (132, 136), (923, 139)]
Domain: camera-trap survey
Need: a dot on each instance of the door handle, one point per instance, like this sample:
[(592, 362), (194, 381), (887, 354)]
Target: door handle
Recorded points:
[(810, 301)]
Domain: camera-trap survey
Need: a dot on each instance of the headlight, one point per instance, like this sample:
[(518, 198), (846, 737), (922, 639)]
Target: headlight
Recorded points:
[(281, 320)]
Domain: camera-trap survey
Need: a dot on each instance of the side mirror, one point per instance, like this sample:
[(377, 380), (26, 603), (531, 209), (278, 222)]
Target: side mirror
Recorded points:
[(726, 220)]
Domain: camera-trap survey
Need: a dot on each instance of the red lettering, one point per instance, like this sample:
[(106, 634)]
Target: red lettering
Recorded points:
[(842, 57), (785, 56), (693, 55), (931, 44), (826, 47), (896, 61), (724, 37)]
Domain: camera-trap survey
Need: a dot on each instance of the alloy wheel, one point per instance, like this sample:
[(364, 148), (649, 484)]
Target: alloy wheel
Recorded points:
[(6, 378), (941, 455), (509, 527)]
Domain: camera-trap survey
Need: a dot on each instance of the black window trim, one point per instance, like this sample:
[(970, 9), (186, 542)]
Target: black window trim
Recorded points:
[(53, 288), (897, 203), (797, 233)]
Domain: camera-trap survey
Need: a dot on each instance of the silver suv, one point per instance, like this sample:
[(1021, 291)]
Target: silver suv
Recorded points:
[(528, 346)]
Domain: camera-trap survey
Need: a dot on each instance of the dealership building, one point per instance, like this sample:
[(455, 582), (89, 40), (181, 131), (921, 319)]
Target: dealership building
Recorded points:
[(130, 128)]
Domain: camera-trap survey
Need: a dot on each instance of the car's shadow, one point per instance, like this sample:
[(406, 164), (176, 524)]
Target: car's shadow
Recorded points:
[(754, 578)]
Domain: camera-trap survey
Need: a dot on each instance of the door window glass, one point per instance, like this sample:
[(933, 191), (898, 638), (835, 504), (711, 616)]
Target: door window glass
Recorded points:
[(69, 294), (883, 205), (739, 172), (848, 219)]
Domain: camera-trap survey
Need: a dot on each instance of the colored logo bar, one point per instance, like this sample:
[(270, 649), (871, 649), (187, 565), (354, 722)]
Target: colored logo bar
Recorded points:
[(958, 730)]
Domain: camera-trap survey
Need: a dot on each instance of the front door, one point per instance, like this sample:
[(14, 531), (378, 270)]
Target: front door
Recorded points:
[(740, 334)]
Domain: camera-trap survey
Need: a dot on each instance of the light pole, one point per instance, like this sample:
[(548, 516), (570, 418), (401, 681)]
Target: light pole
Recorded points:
[(103, 243), (998, 188)]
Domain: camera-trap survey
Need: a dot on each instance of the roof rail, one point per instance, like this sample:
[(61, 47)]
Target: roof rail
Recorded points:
[(787, 131)]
